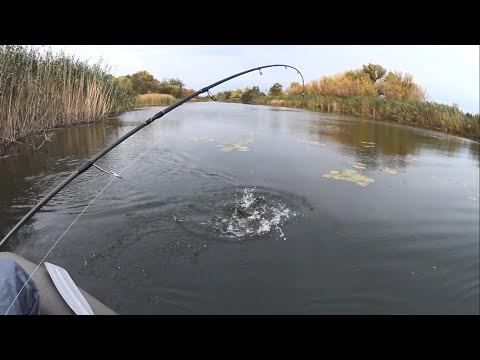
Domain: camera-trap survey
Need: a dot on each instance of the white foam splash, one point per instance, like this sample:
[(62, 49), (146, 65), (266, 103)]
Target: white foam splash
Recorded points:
[(264, 216)]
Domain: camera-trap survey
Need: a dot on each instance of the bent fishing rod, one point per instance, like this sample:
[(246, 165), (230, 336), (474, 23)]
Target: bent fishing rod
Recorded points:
[(91, 162)]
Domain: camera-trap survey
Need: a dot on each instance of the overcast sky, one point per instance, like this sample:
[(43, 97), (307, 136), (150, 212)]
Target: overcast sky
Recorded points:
[(449, 73)]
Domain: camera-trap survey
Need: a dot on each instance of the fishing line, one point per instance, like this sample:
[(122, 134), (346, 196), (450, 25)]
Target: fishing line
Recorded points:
[(91, 162), (73, 222)]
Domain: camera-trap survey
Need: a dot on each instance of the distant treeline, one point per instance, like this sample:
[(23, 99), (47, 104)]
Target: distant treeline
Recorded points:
[(370, 91), (150, 91), (40, 90), (142, 82)]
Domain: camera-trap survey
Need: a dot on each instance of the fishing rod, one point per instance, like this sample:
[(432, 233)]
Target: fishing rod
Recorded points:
[(91, 162)]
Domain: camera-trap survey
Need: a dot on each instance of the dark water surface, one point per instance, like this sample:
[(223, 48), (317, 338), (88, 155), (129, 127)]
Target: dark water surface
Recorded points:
[(168, 239)]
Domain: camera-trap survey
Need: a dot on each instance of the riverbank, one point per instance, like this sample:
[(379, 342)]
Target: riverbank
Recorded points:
[(155, 99), (440, 117), (41, 91)]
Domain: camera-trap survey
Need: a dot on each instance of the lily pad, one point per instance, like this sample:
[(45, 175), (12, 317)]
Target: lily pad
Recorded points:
[(360, 166), (238, 145), (389, 171), (244, 141), (317, 143), (350, 175), (413, 158)]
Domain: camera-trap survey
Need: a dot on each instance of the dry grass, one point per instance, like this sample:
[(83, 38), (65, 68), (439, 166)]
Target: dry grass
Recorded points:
[(155, 99)]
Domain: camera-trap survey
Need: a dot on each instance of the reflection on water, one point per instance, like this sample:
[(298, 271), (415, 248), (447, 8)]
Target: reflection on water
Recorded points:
[(194, 229), (373, 141), (26, 178), (389, 138)]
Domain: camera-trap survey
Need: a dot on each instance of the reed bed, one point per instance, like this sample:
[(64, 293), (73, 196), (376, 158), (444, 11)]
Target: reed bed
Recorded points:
[(155, 99), (440, 117), (41, 90)]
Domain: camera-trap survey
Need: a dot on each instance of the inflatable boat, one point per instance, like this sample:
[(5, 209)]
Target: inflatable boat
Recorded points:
[(53, 287)]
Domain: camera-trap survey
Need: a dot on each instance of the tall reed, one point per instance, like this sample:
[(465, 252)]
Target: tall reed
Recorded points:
[(441, 117), (40, 90), (155, 99)]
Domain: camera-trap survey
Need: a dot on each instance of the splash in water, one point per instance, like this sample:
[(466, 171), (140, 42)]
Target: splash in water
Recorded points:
[(253, 214)]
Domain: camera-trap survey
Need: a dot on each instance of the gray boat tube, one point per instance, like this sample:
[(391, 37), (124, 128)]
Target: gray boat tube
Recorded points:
[(51, 302)]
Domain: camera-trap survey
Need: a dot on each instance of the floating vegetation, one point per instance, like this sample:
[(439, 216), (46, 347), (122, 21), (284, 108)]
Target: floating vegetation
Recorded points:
[(389, 170), (317, 143), (360, 166), (349, 175), (239, 145), (201, 138), (367, 142)]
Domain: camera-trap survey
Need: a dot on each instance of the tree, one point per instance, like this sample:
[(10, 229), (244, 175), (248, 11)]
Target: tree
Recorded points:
[(294, 88), (399, 86), (347, 84), (374, 71), (125, 83), (249, 95), (187, 92), (143, 82), (180, 86), (174, 87), (275, 90)]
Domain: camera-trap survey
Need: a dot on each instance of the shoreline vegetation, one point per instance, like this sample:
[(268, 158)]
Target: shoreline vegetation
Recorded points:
[(41, 91), (370, 92), (430, 115), (156, 99)]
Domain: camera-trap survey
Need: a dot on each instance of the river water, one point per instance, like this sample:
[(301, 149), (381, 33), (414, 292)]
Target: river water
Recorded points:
[(243, 209)]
